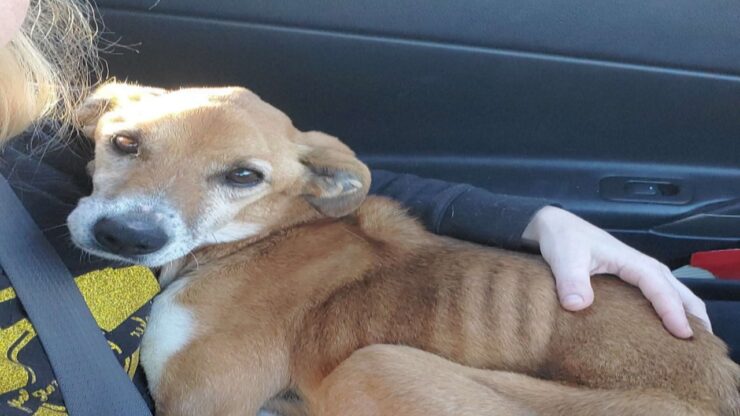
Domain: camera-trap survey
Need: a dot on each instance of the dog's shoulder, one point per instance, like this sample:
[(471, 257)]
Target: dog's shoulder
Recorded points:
[(385, 220)]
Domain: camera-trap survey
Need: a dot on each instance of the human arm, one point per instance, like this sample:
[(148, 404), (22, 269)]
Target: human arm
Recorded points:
[(574, 248)]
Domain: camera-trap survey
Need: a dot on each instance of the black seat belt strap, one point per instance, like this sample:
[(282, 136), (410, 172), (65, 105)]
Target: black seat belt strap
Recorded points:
[(90, 378)]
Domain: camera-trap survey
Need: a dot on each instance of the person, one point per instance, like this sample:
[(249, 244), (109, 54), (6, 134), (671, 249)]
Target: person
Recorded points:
[(47, 51)]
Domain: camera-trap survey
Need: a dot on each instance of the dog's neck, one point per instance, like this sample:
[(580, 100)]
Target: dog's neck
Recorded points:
[(202, 256), (214, 252)]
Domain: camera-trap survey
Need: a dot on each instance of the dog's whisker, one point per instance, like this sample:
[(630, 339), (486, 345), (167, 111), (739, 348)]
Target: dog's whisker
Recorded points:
[(54, 227), (195, 258)]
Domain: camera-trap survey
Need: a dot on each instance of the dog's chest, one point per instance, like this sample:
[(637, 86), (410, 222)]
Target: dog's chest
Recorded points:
[(170, 328)]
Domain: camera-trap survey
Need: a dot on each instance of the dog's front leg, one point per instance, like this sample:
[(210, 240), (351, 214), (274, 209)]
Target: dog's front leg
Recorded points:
[(202, 380)]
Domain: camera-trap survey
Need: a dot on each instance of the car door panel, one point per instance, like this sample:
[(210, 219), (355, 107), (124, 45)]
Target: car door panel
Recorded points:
[(638, 139)]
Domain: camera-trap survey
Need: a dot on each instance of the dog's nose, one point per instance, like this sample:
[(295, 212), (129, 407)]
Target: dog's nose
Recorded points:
[(130, 234)]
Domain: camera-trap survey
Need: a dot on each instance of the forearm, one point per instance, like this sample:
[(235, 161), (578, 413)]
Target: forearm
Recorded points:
[(460, 211)]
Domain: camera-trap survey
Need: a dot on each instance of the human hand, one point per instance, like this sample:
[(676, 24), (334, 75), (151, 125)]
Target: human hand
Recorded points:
[(577, 250)]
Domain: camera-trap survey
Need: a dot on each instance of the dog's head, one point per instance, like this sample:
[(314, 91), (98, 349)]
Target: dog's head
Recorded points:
[(178, 170)]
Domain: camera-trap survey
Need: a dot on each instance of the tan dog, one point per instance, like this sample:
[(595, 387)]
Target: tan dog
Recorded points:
[(280, 275)]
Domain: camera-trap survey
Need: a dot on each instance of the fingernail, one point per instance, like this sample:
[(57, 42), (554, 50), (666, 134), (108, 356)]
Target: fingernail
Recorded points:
[(572, 301)]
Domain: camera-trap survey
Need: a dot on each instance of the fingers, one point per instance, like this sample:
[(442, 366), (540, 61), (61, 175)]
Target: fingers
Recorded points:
[(665, 298), (692, 303), (575, 250), (573, 281)]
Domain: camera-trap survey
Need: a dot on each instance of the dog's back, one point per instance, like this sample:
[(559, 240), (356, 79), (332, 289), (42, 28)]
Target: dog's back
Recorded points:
[(493, 309)]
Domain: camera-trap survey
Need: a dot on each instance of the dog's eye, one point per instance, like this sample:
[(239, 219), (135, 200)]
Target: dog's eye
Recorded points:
[(244, 177), (125, 144)]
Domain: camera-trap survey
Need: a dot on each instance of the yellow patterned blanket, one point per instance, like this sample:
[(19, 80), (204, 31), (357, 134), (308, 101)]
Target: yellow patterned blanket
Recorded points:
[(119, 299)]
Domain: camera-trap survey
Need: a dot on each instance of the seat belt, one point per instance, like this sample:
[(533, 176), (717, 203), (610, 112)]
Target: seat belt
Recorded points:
[(91, 380)]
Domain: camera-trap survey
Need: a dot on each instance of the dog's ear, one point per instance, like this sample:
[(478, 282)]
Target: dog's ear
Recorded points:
[(338, 182), (107, 98)]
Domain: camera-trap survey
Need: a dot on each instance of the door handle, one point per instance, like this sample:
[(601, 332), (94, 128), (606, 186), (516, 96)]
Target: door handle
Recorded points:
[(647, 190)]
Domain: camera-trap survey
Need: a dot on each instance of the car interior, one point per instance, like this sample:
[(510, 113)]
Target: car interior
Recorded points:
[(625, 113)]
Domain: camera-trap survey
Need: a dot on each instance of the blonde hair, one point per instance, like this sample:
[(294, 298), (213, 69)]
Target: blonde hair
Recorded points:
[(48, 66)]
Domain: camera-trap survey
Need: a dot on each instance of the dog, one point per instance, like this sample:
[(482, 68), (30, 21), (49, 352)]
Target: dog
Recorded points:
[(279, 274)]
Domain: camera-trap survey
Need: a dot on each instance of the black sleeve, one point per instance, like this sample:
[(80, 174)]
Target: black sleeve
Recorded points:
[(48, 175), (459, 210)]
